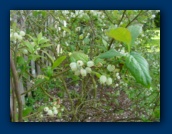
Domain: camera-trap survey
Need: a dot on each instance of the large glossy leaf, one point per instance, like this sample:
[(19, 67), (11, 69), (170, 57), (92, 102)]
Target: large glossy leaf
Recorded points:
[(135, 31), (139, 68), (59, 61), (120, 34), (109, 54)]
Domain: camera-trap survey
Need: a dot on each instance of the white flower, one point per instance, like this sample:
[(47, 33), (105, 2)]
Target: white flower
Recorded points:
[(50, 113), (80, 63), (83, 72), (54, 108), (117, 85), (11, 35), (73, 66), (19, 37), (64, 22), (55, 111), (88, 69), (90, 63), (15, 35), (77, 72), (78, 29), (62, 109), (22, 33), (109, 81), (110, 68), (103, 79), (46, 109), (153, 16), (118, 77), (117, 74), (25, 51)]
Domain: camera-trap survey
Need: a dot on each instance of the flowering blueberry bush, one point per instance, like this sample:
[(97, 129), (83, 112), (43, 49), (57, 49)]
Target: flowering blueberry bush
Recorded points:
[(86, 65)]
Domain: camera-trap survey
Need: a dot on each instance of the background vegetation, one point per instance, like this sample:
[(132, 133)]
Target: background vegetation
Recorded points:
[(48, 82)]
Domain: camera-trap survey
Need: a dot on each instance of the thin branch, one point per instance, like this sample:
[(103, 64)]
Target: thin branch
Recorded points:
[(16, 84), (118, 25)]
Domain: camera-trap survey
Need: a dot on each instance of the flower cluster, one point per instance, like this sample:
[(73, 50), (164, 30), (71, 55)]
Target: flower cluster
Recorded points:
[(105, 80), (14, 36), (78, 67), (53, 111)]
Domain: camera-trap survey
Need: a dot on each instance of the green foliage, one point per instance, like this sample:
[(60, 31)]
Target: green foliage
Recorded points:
[(58, 61), (139, 68), (86, 36), (157, 20), (110, 54), (75, 56), (135, 31), (121, 34), (27, 111)]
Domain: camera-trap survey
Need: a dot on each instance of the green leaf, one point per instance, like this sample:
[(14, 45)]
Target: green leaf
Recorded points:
[(45, 45), (66, 29), (27, 111), (97, 74), (34, 57), (29, 46), (42, 40), (139, 68), (59, 61), (49, 71), (120, 34), (21, 60), (49, 56), (98, 61), (109, 54), (135, 30), (39, 37), (75, 56)]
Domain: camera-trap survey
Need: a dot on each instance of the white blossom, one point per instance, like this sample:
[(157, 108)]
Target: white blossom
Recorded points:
[(19, 37), (54, 108), (153, 16), (25, 51), (80, 63), (22, 33), (117, 85), (90, 63), (50, 112), (77, 72), (109, 81), (110, 68), (55, 111), (62, 109), (118, 77), (15, 35), (64, 22), (83, 72), (103, 79), (88, 69), (117, 74), (46, 109), (73, 66)]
